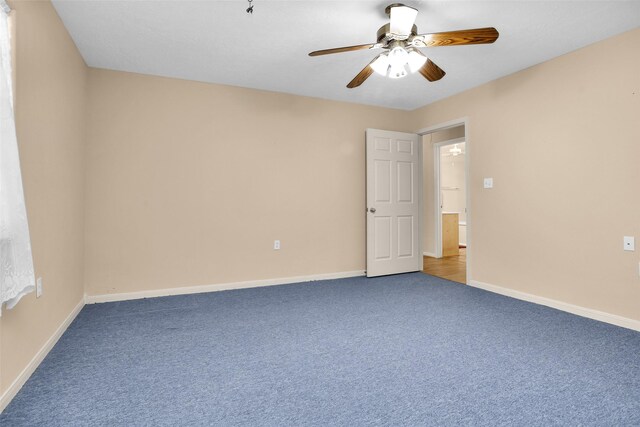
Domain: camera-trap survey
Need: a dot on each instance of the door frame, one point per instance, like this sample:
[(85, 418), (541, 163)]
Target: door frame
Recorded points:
[(467, 169), (437, 191)]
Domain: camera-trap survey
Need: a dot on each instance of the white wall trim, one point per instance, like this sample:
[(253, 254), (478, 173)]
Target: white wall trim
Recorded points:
[(431, 254), (443, 126), (93, 299), (17, 384), (602, 316)]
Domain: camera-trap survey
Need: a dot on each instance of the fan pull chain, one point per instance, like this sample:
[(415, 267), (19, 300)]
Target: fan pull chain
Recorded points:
[(250, 8)]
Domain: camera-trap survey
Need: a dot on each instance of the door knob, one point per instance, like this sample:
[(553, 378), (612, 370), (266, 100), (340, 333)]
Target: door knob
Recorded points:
[(372, 210)]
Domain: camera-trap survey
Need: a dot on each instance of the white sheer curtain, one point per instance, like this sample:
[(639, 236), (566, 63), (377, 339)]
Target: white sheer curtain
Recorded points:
[(16, 262)]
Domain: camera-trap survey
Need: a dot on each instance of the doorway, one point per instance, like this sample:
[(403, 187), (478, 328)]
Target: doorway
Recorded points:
[(451, 190), (446, 201), (400, 242)]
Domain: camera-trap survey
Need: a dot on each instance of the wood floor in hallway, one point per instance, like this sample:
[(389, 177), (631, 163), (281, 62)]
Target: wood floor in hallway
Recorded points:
[(452, 268)]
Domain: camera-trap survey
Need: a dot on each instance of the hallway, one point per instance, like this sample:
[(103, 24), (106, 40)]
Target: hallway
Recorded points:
[(451, 268)]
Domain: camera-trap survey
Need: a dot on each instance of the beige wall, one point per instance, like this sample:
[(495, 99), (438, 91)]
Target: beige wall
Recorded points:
[(562, 142), (190, 183), (428, 194), (49, 108)]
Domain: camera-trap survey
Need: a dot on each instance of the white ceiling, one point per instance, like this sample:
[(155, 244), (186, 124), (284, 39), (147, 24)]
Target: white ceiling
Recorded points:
[(218, 42)]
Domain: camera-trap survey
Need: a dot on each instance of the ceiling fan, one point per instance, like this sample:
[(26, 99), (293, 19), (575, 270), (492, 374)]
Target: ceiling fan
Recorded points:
[(400, 40)]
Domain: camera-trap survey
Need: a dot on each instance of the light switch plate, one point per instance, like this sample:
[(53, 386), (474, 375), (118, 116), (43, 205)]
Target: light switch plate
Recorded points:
[(488, 183), (39, 287), (629, 243)]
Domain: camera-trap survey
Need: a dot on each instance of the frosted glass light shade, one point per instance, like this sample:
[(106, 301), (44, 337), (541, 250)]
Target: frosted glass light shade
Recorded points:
[(381, 64), (397, 71), (416, 60), (402, 19), (398, 57)]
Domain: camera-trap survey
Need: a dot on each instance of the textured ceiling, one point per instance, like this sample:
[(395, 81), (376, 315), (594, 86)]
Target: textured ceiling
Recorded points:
[(218, 42)]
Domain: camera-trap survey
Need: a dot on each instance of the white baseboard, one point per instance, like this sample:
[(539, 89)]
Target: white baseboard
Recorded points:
[(602, 316), (432, 255), (93, 299), (17, 384)]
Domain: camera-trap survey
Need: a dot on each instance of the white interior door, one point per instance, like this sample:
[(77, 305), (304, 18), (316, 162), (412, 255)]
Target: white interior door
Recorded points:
[(394, 185)]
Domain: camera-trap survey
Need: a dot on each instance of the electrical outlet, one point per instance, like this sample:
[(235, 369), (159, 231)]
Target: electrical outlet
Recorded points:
[(488, 183), (629, 243), (276, 245), (39, 287)]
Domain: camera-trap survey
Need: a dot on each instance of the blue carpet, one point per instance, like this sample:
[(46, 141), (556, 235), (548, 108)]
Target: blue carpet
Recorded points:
[(401, 350)]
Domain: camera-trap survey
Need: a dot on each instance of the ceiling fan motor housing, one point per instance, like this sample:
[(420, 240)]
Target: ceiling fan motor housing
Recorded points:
[(387, 9), (385, 34)]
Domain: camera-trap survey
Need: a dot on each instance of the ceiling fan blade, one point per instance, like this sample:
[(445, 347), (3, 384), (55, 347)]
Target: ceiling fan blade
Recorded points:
[(344, 49), (431, 71), (453, 38), (402, 19), (362, 75)]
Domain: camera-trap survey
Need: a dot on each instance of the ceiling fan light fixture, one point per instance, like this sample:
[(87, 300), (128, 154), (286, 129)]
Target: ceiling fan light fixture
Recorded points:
[(415, 60), (398, 57), (381, 64)]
